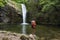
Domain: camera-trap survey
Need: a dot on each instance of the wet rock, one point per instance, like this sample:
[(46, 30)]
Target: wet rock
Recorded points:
[(24, 37), (5, 38)]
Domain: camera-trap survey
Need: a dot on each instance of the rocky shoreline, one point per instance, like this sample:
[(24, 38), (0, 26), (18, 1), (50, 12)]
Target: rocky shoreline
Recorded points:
[(5, 35)]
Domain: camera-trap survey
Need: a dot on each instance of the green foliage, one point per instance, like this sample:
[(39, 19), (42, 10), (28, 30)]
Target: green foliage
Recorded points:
[(47, 4), (49, 10), (2, 3), (20, 1)]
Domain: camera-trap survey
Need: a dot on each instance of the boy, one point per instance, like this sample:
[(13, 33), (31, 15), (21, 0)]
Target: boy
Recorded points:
[(33, 24)]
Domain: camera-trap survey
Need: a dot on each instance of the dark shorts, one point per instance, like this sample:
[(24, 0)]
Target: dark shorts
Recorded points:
[(33, 27)]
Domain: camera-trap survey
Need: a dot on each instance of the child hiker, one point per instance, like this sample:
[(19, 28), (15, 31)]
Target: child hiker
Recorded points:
[(33, 25)]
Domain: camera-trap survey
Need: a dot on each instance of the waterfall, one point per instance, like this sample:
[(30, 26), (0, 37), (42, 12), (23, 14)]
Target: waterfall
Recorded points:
[(24, 18), (24, 13)]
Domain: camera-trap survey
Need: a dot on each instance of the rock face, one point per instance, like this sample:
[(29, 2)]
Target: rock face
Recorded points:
[(4, 35), (9, 13)]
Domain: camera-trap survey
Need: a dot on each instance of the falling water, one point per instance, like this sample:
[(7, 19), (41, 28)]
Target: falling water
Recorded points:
[(24, 18), (24, 13)]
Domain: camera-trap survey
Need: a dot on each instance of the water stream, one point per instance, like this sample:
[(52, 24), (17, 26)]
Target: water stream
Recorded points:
[(24, 18)]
